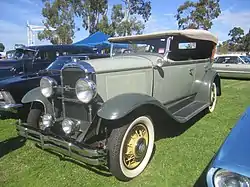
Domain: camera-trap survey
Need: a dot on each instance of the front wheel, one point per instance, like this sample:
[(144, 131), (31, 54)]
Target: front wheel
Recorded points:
[(34, 117), (213, 98), (130, 148)]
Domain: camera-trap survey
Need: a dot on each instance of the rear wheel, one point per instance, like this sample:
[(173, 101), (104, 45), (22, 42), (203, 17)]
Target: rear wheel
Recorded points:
[(213, 98), (130, 148)]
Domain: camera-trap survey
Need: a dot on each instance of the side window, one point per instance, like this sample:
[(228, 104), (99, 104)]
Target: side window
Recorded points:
[(47, 55), (232, 60)]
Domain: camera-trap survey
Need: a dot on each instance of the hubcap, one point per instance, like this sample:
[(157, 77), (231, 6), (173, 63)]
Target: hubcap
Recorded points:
[(135, 147)]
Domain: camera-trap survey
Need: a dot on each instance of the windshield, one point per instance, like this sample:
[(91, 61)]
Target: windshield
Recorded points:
[(245, 59), (157, 46), (59, 63), (23, 54)]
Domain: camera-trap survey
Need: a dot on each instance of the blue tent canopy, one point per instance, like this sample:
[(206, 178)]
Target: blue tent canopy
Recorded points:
[(99, 40)]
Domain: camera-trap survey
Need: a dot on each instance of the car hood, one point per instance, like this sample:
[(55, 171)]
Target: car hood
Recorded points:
[(234, 153), (126, 62)]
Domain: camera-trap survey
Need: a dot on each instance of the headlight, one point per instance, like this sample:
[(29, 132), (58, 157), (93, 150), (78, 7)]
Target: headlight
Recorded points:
[(225, 178), (68, 125), (46, 85), (85, 90)]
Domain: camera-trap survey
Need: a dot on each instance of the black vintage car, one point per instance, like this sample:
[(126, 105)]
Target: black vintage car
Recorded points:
[(31, 59), (14, 88)]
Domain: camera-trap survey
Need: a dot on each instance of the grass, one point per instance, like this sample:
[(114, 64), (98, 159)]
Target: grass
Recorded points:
[(177, 162)]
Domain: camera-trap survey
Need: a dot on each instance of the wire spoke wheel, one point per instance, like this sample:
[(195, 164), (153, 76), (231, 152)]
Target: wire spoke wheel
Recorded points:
[(136, 146), (130, 148)]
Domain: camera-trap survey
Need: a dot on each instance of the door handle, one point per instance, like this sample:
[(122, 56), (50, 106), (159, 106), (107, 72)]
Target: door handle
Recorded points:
[(191, 71), (227, 65)]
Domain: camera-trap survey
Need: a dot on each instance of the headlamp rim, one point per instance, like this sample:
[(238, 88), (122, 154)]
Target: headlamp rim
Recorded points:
[(91, 84), (52, 83)]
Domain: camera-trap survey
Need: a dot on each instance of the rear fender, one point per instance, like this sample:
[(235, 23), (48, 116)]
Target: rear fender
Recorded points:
[(35, 95), (205, 86)]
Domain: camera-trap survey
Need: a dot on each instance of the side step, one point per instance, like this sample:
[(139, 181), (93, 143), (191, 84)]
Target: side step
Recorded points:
[(189, 111)]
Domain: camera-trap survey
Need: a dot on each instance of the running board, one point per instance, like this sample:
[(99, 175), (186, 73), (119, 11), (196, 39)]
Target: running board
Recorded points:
[(189, 111)]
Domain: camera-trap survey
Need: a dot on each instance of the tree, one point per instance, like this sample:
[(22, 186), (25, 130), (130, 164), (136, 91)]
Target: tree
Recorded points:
[(2, 47), (125, 18), (246, 42), (92, 13), (223, 48), (236, 43), (197, 15), (59, 15)]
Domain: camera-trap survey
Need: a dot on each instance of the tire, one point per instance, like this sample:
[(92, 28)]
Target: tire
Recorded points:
[(34, 117), (141, 147), (213, 98)]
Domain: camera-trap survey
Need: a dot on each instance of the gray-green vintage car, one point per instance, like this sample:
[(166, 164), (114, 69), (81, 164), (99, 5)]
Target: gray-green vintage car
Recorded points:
[(104, 111)]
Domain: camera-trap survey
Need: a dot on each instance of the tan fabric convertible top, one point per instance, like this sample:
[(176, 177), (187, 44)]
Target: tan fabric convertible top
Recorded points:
[(189, 33)]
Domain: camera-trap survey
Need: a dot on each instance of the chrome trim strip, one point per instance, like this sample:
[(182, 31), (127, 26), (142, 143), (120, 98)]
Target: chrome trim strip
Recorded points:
[(61, 146)]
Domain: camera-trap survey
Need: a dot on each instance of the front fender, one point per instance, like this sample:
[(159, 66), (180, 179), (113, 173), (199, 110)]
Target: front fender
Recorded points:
[(36, 95), (121, 105)]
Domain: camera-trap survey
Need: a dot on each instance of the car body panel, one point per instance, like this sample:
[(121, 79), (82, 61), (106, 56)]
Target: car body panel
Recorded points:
[(233, 154)]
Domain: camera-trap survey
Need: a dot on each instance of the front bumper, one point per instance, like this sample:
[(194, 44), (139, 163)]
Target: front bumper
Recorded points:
[(83, 154), (10, 107)]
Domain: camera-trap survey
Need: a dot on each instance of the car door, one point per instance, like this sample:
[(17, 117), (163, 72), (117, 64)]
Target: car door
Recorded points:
[(173, 80)]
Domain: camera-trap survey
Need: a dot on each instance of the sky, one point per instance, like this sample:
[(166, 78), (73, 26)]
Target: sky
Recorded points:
[(15, 14)]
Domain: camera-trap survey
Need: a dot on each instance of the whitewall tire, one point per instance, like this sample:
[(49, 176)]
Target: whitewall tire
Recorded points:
[(130, 148), (213, 98)]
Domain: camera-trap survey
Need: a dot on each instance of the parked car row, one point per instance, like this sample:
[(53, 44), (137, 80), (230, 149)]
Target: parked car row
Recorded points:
[(232, 66), (23, 71)]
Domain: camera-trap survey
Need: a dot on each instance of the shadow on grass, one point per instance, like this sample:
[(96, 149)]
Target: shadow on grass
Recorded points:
[(168, 128), (11, 144), (100, 170), (201, 181)]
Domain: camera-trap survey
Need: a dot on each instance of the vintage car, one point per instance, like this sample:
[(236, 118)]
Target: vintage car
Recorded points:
[(31, 59), (105, 111), (231, 164), (232, 66), (14, 88)]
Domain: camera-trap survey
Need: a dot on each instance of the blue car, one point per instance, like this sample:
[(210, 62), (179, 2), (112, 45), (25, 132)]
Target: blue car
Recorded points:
[(231, 165)]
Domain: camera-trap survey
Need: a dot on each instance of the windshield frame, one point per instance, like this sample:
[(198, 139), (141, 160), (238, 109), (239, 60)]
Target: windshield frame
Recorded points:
[(168, 40), (22, 50)]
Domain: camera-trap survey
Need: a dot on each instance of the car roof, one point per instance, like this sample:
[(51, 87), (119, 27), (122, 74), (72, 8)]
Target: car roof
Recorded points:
[(189, 33)]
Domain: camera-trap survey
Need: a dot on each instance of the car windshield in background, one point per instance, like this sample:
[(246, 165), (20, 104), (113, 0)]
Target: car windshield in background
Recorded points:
[(147, 46), (59, 63), (245, 59), (23, 54)]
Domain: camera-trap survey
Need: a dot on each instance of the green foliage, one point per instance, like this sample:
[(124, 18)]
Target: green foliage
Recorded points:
[(2, 47), (124, 17), (92, 12), (237, 42), (197, 15), (246, 42), (59, 15)]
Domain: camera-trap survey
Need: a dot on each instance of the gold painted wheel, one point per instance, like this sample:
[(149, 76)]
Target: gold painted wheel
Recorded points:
[(135, 147)]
